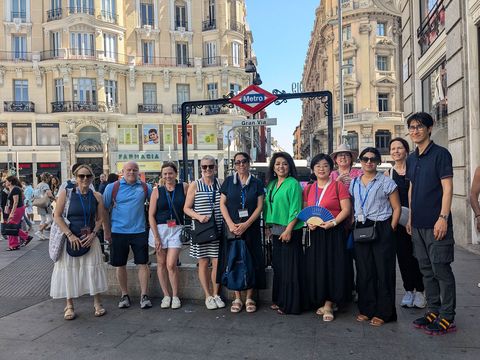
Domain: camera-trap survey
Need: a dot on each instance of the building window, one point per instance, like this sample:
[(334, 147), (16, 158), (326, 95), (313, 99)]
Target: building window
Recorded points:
[(82, 44), (55, 44), (347, 32), (211, 11), (19, 47), (180, 17), (109, 10), (111, 93), (19, 10), (434, 95), (210, 53), (82, 6), (3, 134), (59, 90), (182, 54), (426, 6), (235, 88), (20, 90), (236, 51), (127, 134), (382, 141), (146, 12), (183, 93), (352, 140), (149, 93), (22, 134), (383, 102), (85, 90), (382, 63), (110, 46), (348, 105), (348, 63), (212, 90), (147, 52), (381, 29), (48, 134)]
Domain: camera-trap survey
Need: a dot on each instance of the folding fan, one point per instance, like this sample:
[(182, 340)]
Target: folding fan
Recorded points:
[(315, 215)]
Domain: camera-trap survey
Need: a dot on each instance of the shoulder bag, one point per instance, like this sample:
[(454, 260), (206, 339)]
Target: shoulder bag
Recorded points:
[(57, 237), (366, 233), (186, 233), (206, 232)]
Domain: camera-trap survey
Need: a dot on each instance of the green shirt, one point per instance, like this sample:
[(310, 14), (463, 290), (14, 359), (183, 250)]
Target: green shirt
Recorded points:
[(283, 203)]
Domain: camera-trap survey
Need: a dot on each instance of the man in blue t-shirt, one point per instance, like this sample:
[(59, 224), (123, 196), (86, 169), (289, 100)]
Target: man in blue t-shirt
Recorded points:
[(125, 199), (430, 171)]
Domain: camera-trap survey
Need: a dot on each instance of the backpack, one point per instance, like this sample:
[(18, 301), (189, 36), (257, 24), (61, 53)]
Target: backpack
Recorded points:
[(70, 184), (240, 273), (116, 187)]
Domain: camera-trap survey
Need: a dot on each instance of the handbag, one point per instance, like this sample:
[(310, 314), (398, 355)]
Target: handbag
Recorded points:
[(186, 233), (203, 233), (10, 229), (41, 202), (57, 237), (239, 274), (76, 252), (365, 234)]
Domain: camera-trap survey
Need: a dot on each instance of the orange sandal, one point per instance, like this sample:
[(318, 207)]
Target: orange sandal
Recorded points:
[(376, 321)]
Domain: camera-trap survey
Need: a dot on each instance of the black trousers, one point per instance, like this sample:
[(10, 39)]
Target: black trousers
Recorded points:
[(375, 263), (408, 264)]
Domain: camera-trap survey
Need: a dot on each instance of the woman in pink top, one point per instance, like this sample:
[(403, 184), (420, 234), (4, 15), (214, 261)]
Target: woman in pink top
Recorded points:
[(343, 158)]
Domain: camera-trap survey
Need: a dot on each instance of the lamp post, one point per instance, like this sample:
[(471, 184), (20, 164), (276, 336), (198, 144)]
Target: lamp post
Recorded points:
[(340, 69), (250, 68)]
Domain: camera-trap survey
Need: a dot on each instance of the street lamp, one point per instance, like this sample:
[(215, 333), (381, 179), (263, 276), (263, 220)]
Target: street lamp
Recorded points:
[(250, 68)]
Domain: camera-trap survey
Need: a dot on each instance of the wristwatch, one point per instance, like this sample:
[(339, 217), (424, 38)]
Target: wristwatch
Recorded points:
[(334, 222), (444, 217)]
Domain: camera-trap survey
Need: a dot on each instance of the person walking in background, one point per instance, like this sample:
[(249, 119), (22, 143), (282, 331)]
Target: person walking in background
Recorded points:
[(326, 256), (377, 206), (103, 183), (166, 223), (202, 202), (28, 193), (80, 269), (474, 194), (430, 172), (241, 204), (411, 275), (43, 190), (283, 202), (54, 185), (344, 158), (126, 229)]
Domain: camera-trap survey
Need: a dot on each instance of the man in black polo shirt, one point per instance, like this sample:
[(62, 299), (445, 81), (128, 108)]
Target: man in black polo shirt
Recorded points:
[(429, 169)]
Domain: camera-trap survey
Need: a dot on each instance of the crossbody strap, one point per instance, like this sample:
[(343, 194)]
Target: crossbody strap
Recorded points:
[(173, 206)]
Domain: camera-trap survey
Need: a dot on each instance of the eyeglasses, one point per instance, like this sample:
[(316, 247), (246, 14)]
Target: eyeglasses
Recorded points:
[(243, 161), (367, 159), (85, 176), (205, 167), (420, 127)]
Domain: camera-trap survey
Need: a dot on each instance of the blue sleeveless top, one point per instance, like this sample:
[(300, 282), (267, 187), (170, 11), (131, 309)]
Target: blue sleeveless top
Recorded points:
[(164, 211), (76, 212)]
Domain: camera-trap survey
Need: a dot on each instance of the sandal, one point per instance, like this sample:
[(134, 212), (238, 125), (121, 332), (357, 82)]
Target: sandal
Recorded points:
[(13, 248), (376, 321), (99, 310), (69, 314), (280, 312), (250, 306), (237, 306), (361, 317), (274, 307), (320, 311), (328, 315)]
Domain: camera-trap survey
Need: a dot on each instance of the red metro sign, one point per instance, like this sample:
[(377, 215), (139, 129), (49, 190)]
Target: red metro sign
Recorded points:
[(253, 99)]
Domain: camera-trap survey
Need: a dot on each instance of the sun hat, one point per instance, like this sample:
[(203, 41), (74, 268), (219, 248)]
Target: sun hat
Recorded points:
[(343, 148)]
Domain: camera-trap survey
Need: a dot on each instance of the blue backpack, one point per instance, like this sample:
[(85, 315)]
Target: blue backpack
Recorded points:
[(240, 273)]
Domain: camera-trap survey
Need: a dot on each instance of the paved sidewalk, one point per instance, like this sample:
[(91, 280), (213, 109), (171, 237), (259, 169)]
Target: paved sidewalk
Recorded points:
[(34, 328)]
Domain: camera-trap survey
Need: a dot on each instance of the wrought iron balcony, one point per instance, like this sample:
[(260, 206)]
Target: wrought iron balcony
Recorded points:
[(209, 25), (80, 10), (212, 61), (54, 14), (80, 106), (16, 56), (147, 22), (181, 24), (237, 26), (177, 109), (107, 16), (150, 108), (431, 27), (164, 61), (215, 110), (18, 106), (22, 15)]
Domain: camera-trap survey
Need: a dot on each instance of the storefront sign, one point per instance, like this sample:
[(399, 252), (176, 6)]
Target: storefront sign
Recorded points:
[(142, 155)]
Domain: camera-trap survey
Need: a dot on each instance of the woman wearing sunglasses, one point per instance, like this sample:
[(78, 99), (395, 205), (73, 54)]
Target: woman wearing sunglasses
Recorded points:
[(282, 204), (203, 199), (241, 204), (376, 211), (80, 269)]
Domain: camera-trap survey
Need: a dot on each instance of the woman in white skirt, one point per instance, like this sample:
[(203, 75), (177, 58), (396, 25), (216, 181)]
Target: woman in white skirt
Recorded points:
[(80, 269)]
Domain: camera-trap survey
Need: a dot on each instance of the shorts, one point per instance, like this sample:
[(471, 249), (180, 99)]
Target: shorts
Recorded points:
[(120, 248), (46, 219), (169, 236)]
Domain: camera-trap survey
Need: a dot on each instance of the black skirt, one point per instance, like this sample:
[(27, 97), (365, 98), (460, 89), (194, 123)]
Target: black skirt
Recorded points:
[(327, 262), (253, 240), (287, 273)]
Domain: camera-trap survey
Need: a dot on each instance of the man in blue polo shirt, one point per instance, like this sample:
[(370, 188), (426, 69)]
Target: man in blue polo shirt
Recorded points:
[(127, 230), (430, 171)]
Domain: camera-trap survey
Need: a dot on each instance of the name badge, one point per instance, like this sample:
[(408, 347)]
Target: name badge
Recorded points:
[(171, 223), (243, 213), (361, 218)]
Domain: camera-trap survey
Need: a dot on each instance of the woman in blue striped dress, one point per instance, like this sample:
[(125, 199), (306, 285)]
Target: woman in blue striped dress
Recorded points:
[(204, 195)]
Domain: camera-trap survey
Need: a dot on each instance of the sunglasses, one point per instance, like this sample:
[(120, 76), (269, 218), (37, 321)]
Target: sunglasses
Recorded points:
[(85, 176), (205, 167), (243, 161), (367, 159)]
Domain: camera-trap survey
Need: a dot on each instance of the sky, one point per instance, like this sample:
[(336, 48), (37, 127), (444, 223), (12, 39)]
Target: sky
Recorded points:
[(281, 33)]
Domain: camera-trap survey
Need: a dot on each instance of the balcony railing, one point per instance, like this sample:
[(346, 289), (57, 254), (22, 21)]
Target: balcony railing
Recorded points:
[(18, 106), (107, 16), (16, 56), (181, 25), (215, 110), (80, 10), (85, 54), (177, 109), (147, 22), (164, 61), (237, 26), (150, 108), (209, 25), (81, 106), (431, 27), (22, 15), (54, 14), (212, 61)]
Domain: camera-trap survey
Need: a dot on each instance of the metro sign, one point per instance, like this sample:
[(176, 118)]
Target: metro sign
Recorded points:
[(253, 99)]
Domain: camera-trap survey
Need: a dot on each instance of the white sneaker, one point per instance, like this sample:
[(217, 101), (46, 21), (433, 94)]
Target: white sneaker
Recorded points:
[(408, 299), (166, 301), (210, 303), (219, 302), (176, 303), (419, 301)]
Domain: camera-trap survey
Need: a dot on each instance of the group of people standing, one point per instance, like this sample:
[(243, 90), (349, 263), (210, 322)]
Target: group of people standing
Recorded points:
[(313, 266)]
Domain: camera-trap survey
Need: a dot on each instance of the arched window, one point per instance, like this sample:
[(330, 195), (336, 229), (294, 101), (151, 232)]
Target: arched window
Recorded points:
[(89, 140), (382, 139)]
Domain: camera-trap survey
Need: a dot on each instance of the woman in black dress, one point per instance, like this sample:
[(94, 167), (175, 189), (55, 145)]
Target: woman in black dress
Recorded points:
[(241, 204)]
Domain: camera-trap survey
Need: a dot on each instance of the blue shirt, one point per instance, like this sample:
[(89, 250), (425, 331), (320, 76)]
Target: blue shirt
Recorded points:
[(425, 173), (374, 197), (128, 215)]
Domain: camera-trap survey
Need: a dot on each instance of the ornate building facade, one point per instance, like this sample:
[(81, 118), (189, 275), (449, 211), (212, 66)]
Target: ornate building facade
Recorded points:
[(372, 73), (102, 81)]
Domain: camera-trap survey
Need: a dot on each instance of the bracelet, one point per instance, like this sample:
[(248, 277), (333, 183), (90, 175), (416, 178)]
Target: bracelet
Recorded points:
[(69, 234)]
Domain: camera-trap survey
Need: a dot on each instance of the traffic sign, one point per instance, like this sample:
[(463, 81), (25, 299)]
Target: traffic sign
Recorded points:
[(255, 122), (253, 99)]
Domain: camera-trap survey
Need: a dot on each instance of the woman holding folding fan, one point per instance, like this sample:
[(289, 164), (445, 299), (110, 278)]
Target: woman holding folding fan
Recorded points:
[(326, 256)]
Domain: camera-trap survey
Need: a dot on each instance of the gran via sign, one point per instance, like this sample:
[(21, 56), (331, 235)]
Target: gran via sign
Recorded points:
[(255, 122)]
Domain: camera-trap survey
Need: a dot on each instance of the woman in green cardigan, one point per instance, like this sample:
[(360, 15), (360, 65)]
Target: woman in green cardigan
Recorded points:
[(283, 202)]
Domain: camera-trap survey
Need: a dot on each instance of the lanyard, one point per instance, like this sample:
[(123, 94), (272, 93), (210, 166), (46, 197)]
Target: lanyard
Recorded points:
[(170, 200), (85, 217), (212, 201), (318, 200), (273, 194), (363, 201), (243, 195)]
